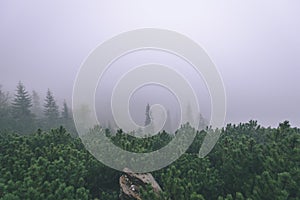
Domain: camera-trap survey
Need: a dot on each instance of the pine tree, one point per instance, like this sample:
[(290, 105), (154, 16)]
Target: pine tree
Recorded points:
[(5, 121), (168, 124), (3, 98), (22, 102), (148, 119), (67, 119), (65, 112), (51, 109), (21, 109)]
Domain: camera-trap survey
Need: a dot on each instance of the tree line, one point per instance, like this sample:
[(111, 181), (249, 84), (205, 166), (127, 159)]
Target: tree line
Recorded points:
[(24, 113)]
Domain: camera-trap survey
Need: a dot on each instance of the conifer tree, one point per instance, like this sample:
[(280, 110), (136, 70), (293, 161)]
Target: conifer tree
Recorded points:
[(65, 112), (148, 119), (22, 102), (4, 110), (21, 106), (168, 125), (3, 98), (51, 109), (67, 120)]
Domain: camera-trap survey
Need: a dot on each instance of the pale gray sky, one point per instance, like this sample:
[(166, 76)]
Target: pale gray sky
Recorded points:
[(254, 44)]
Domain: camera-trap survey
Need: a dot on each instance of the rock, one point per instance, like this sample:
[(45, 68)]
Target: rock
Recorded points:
[(130, 184)]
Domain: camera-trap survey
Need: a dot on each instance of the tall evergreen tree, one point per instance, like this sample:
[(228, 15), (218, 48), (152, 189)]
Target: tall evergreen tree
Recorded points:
[(3, 98), (22, 102), (65, 112), (168, 125), (21, 106), (4, 110), (51, 109), (67, 119), (148, 119)]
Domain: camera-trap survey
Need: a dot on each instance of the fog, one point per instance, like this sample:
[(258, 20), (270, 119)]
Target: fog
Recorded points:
[(254, 44)]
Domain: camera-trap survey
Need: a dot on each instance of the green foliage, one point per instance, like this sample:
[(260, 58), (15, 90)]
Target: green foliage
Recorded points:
[(51, 111), (22, 102), (248, 162), (50, 165), (141, 145), (5, 111), (65, 113), (21, 113), (24, 113)]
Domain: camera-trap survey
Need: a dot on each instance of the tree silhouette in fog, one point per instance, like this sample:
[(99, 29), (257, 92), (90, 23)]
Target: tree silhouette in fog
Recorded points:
[(51, 111), (21, 109), (148, 118)]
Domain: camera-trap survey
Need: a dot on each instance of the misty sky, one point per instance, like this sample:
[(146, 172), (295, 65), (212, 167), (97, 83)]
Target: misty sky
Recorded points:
[(254, 44)]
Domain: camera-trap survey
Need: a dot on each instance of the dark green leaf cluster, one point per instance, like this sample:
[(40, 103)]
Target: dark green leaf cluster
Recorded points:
[(248, 162), (52, 165)]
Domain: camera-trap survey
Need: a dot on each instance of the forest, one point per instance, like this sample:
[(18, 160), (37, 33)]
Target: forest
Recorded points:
[(42, 157), (24, 112)]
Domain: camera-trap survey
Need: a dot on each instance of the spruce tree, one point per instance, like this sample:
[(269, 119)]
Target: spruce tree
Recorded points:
[(22, 102), (65, 112), (148, 119), (67, 119), (168, 125), (3, 98), (51, 111), (5, 118), (21, 110)]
